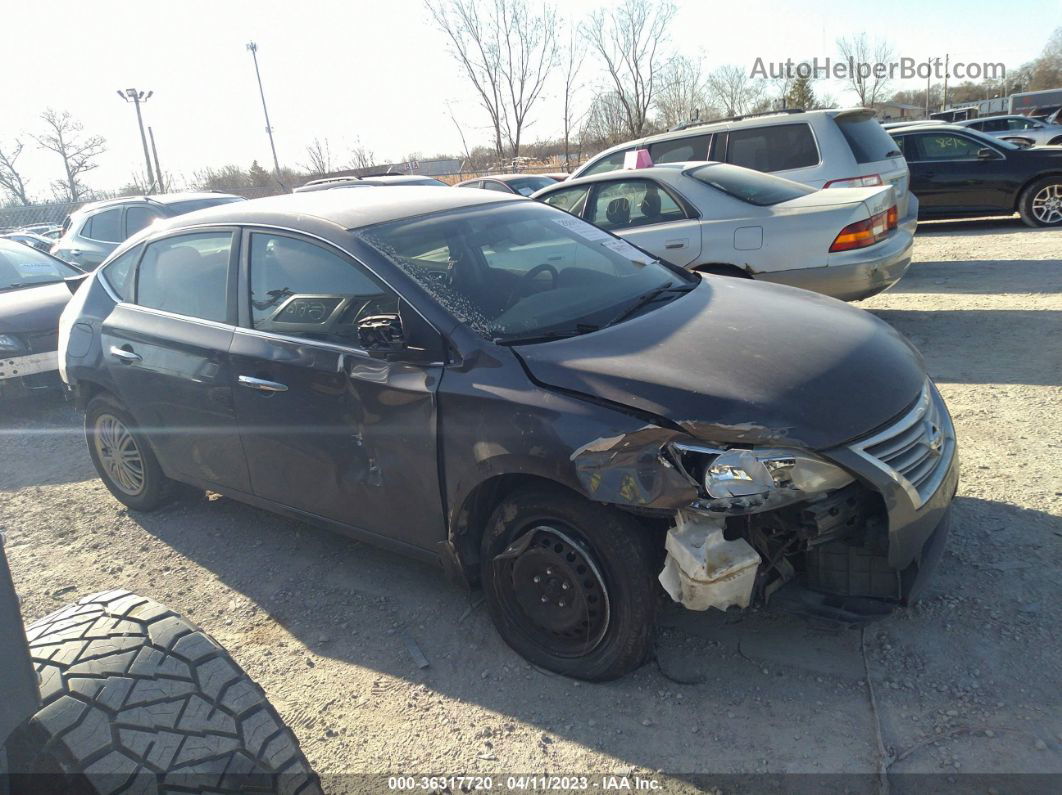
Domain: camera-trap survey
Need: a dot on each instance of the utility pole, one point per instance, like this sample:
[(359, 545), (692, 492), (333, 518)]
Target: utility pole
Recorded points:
[(138, 97), (253, 48), (155, 155), (944, 101)]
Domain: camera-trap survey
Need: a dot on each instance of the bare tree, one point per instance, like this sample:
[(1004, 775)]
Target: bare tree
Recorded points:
[(734, 89), (65, 136), (683, 94), (629, 38), (506, 50), (605, 122), (868, 76), (11, 179), (319, 157), (464, 144), (574, 55), (361, 156)]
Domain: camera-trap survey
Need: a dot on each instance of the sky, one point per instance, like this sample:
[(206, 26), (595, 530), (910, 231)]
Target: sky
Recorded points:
[(378, 72)]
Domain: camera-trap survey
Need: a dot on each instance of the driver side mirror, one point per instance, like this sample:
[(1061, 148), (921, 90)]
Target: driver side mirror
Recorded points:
[(985, 153), (381, 335)]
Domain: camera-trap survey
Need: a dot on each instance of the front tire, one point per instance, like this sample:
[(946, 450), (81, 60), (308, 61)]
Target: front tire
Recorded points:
[(123, 456), (1041, 203), (570, 584), (137, 699)]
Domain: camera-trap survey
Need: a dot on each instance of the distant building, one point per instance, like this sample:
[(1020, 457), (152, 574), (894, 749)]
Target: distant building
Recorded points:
[(896, 111)]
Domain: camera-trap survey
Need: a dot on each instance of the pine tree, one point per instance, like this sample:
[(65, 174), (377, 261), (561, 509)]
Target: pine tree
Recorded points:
[(259, 176), (800, 93)]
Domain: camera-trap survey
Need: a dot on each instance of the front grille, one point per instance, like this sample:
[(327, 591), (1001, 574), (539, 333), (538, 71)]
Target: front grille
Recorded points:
[(916, 450)]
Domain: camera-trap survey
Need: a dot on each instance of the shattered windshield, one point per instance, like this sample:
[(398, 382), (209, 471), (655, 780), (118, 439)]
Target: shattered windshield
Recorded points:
[(518, 270)]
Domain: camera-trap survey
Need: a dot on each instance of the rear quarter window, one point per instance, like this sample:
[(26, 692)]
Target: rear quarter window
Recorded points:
[(866, 138), (779, 147)]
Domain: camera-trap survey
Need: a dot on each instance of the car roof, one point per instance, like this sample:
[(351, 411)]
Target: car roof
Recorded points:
[(756, 119), (508, 177), (928, 128), (661, 169), (349, 209), (162, 198)]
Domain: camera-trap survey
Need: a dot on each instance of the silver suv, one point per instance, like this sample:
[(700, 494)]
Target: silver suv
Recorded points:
[(820, 148), (94, 230), (1019, 129)]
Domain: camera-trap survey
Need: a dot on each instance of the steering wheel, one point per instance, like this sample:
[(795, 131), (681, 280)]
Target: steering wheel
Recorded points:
[(528, 277)]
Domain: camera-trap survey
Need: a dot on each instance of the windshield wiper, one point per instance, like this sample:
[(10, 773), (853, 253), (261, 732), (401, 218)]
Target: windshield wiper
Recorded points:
[(648, 298), (546, 336)]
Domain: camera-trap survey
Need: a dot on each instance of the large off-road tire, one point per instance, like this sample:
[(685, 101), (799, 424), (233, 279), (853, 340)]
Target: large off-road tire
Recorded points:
[(571, 584), (1041, 203), (137, 699), (123, 456)]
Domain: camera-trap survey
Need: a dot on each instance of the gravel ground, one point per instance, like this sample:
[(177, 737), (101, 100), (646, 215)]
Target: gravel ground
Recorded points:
[(968, 682)]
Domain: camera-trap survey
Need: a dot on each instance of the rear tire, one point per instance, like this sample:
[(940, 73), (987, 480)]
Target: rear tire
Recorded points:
[(1040, 204), (575, 590), (137, 699), (123, 456)]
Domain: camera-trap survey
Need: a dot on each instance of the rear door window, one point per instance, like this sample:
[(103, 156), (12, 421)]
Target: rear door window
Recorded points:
[(119, 273), (187, 275), (680, 150), (779, 147), (946, 146), (866, 138), (105, 227), (137, 218), (629, 203)]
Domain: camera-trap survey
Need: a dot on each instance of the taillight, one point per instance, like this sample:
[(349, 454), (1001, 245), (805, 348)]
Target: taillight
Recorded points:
[(869, 181), (866, 233)]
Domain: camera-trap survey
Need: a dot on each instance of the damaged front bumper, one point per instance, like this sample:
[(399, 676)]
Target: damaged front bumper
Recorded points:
[(877, 538)]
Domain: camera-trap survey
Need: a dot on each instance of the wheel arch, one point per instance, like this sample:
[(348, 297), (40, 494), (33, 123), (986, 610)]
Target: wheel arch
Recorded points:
[(1020, 193), (470, 518), (722, 269)]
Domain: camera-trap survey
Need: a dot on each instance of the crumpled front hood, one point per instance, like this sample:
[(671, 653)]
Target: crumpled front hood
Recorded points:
[(30, 309), (743, 361)]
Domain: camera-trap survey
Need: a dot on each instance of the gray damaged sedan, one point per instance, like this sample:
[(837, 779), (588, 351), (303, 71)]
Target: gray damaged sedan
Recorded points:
[(473, 378)]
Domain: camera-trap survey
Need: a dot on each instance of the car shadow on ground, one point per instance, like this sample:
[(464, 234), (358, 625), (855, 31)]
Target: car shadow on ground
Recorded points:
[(976, 226), (979, 346), (725, 690), (973, 277)]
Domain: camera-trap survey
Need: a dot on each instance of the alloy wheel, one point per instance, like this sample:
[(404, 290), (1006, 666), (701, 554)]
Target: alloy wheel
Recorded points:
[(1047, 204), (119, 454)]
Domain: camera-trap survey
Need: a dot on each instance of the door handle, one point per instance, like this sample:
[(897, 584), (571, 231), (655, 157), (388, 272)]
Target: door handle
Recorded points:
[(75, 252), (261, 384), (124, 355), (675, 244)]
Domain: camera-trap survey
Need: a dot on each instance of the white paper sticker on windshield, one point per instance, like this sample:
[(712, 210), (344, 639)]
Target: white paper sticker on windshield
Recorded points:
[(582, 228), (625, 249), (35, 268)]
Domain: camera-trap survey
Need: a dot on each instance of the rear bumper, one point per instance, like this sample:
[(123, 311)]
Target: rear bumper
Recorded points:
[(853, 275)]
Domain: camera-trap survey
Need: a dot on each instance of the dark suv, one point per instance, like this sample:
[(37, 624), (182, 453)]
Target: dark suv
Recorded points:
[(470, 377), (93, 231)]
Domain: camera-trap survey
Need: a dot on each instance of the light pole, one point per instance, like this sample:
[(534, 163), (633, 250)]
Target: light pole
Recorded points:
[(137, 97), (253, 48)]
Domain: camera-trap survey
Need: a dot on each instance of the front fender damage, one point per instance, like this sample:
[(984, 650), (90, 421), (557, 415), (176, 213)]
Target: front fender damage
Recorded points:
[(633, 469)]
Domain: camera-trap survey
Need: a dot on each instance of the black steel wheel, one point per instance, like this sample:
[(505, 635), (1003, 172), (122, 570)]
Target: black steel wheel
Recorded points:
[(571, 584)]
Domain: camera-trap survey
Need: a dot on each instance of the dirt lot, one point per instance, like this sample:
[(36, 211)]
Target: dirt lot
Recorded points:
[(968, 682)]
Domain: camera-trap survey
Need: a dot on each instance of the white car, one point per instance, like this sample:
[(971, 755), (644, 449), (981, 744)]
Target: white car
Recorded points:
[(718, 218), (1018, 129), (839, 148)]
